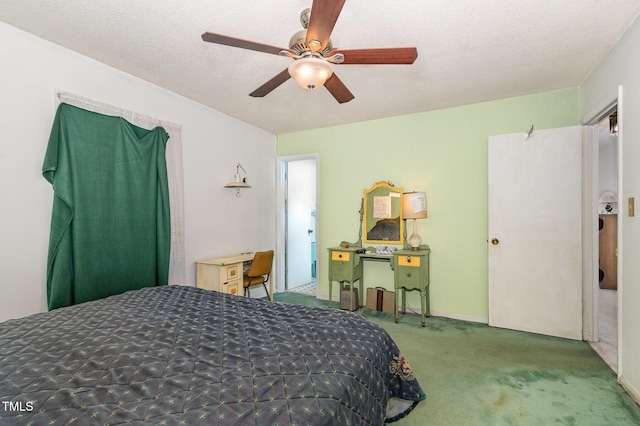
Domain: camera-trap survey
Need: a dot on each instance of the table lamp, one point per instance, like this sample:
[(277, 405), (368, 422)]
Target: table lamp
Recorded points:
[(608, 202), (414, 206)]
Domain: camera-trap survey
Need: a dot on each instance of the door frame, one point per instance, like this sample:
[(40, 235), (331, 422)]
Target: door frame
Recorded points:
[(281, 224), (590, 312), (590, 238)]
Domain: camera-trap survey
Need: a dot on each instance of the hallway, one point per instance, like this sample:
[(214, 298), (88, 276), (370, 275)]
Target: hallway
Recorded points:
[(607, 347)]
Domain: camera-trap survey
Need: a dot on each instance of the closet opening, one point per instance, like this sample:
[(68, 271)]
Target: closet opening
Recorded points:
[(608, 207)]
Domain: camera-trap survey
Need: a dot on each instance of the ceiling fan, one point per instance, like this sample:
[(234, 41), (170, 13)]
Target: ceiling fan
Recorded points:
[(313, 53)]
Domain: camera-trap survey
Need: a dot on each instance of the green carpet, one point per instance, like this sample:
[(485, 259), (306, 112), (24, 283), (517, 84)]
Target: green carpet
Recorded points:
[(474, 374)]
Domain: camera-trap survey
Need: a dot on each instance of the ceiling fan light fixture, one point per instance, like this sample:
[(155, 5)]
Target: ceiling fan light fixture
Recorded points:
[(310, 73)]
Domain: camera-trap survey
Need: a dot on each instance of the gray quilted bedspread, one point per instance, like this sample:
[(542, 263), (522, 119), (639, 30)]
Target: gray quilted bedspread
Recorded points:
[(181, 355)]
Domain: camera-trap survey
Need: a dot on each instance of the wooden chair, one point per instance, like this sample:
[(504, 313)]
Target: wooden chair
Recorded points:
[(259, 272)]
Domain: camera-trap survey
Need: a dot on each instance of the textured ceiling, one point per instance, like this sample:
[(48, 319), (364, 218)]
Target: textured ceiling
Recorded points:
[(468, 50)]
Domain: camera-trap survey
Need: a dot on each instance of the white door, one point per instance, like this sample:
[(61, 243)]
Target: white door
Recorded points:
[(535, 232)]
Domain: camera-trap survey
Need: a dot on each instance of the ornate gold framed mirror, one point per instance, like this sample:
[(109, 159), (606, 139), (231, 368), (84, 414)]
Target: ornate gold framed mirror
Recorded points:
[(383, 222)]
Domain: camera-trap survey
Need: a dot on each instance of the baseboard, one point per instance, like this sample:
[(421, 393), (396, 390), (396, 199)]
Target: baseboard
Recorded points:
[(468, 318), (631, 390)]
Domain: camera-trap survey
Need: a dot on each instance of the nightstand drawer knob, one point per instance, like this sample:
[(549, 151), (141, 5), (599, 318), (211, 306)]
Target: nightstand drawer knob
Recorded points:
[(409, 274)]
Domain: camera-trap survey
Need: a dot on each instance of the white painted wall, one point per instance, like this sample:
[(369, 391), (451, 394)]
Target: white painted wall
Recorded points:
[(216, 222), (620, 67)]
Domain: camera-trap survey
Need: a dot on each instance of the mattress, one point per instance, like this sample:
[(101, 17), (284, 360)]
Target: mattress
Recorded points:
[(181, 355)]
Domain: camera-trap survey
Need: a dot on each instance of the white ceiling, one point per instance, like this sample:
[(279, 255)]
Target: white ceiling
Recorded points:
[(468, 50)]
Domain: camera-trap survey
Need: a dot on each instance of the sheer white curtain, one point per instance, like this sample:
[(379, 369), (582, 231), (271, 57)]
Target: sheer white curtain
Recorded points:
[(177, 272)]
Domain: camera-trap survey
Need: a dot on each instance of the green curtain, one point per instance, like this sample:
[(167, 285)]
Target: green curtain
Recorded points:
[(110, 224)]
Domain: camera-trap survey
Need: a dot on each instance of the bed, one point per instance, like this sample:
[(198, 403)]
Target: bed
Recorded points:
[(182, 355)]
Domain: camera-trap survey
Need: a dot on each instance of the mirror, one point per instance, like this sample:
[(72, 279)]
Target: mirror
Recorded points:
[(383, 222)]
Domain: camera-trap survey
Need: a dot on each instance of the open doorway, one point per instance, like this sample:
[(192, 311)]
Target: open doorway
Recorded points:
[(608, 170), (297, 224)]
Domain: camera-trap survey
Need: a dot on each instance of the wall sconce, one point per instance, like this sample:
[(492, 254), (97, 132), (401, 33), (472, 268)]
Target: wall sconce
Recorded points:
[(414, 206), (238, 182)]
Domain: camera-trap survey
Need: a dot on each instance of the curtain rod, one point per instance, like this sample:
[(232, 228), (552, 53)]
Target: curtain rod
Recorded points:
[(68, 97)]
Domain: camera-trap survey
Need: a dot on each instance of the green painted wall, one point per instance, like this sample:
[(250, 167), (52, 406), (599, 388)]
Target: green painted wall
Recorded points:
[(442, 152)]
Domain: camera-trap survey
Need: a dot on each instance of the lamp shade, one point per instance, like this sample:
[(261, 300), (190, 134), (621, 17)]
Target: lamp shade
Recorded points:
[(238, 182), (608, 197), (310, 73), (414, 205), (608, 203)]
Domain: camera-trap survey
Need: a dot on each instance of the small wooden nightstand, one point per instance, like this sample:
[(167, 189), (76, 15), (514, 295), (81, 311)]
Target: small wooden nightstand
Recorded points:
[(411, 272)]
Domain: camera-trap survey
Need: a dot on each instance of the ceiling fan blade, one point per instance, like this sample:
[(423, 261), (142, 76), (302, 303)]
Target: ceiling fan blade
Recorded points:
[(324, 14), (337, 88), (270, 85), (243, 44), (393, 55)]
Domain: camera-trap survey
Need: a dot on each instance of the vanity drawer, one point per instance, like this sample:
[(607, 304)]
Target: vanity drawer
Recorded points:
[(409, 276), (410, 261), (340, 270), (340, 256)]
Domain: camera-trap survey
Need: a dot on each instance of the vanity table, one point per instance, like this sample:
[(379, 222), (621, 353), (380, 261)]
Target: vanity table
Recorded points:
[(381, 219), (411, 273)]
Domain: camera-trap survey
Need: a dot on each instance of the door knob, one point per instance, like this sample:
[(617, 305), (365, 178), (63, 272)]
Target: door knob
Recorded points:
[(495, 241)]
